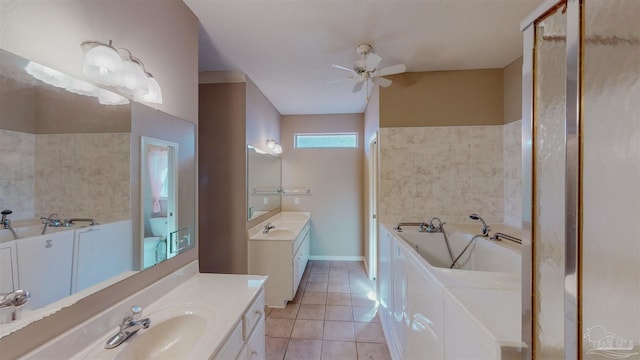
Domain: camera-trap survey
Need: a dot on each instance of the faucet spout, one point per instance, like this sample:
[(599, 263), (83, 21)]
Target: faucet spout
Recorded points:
[(267, 228), (6, 223), (129, 326)]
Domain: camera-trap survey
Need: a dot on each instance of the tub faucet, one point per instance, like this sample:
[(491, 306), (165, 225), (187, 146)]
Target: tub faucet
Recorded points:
[(433, 228), (130, 325), (6, 223), (267, 228), (485, 227)]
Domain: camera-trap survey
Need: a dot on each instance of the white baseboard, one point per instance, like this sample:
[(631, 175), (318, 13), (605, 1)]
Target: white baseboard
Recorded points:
[(336, 258)]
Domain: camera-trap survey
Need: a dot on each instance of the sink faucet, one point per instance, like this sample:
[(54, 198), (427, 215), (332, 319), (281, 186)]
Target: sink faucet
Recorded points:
[(6, 223), (267, 228), (485, 227), (11, 303), (130, 325)]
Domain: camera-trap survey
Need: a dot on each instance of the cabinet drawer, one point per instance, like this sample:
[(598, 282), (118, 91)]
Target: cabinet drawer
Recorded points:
[(233, 345), (257, 343), (253, 315), (303, 234)]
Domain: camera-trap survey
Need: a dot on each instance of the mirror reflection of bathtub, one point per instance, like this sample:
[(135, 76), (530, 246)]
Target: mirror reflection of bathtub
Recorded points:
[(73, 156)]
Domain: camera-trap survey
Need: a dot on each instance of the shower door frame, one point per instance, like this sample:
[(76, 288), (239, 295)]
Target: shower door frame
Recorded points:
[(573, 177)]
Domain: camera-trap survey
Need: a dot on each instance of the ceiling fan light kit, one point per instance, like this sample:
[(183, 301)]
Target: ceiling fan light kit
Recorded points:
[(367, 69)]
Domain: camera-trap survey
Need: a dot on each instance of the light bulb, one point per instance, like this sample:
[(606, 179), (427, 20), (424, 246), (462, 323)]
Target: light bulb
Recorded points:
[(103, 64)]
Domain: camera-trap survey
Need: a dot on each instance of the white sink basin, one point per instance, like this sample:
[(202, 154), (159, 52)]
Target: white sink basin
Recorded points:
[(177, 332)]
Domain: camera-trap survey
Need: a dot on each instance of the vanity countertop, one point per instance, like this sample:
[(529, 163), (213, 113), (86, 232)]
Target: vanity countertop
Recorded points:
[(287, 226), (227, 296)]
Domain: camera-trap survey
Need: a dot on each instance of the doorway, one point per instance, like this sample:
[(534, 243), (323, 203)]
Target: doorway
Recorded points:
[(159, 179), (372, 242)]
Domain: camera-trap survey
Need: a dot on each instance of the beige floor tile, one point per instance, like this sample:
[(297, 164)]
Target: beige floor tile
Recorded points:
[(365, 314), (301, 349), (339, 278), (307, 329), (319, 277), (317, 298), (311, 312), (338, 299), (371, 351), (369, 332), (338, 271), (339, 313), (316, 286), (339, 330), (339, 288), (276, 348), (289, 312), (361, 300), (279, 327), (339, 350)]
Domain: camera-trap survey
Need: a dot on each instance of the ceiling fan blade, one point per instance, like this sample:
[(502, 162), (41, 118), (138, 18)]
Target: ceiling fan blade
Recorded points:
[(344, 68), (390, 70), (372, 60), (357, 86), (382, 81)]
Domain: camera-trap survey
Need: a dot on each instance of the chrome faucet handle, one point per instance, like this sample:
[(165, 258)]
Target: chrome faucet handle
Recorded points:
[(134, 314)]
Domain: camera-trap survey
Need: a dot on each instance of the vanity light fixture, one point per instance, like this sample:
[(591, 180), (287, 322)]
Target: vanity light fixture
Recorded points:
[(274, 147), (58, 79), (109, 66)]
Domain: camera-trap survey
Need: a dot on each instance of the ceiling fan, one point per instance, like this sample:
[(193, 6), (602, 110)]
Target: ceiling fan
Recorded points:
[(367, 69)]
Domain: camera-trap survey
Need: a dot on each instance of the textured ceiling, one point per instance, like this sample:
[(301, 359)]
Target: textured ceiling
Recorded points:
[(287, 47)]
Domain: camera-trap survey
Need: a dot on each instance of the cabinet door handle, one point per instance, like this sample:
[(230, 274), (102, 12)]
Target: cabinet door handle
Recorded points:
[(254, 353), (258, 312)]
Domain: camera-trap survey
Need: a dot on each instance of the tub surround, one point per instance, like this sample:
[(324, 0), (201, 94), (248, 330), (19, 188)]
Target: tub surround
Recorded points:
[(431, 311), (185, 287)]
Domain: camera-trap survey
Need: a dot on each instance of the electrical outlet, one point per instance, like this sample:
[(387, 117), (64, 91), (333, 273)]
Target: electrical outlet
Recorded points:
[(266, 201), (296, 201)]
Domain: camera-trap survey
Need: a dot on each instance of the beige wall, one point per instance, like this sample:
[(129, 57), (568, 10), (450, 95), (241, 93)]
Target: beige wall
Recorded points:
[(263, 120), (50, 33), (222, 178), (512, 93), (335, 179), (232, 115), (443, 98)]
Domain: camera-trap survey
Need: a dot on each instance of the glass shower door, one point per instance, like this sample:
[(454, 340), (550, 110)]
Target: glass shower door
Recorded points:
[(611, 180)]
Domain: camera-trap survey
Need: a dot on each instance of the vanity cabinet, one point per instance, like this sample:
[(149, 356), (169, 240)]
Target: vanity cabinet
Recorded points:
[(284, 261), (247, 339)]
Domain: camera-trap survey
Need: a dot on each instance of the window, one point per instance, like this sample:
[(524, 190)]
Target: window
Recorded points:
[(329, 140)]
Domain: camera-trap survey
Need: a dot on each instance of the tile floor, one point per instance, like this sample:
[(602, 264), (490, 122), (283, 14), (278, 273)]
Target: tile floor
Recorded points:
[(331, 317)]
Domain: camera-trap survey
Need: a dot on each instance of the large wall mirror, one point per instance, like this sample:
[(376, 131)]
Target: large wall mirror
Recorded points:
[(263, 182), (95, 188)]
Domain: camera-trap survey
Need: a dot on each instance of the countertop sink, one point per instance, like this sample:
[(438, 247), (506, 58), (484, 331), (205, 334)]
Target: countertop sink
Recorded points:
[(276, 234), (176, 332)]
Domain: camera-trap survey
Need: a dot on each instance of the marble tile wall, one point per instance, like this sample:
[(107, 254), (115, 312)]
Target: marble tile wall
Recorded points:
[(448, 172), (83, 175), (512, 136), (17, 173)]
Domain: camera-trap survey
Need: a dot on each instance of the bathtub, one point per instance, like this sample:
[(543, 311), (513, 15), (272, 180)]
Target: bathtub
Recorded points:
[(486, 262), (430, 311)]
